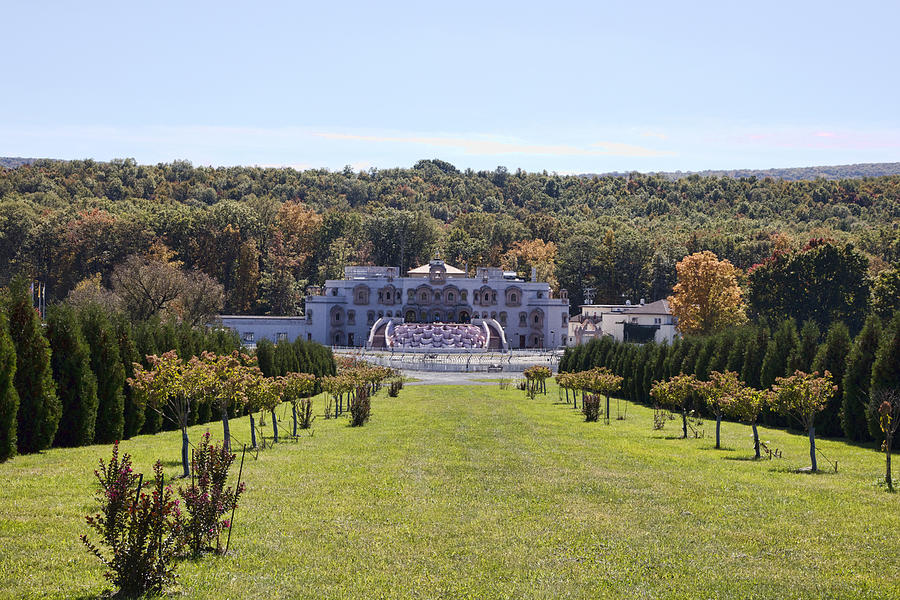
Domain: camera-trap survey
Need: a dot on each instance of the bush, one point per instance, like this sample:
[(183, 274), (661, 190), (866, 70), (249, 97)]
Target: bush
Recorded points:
[(360, 406), (207, 500), (141, 532), (304, 413), (590, 407), (395, 387)]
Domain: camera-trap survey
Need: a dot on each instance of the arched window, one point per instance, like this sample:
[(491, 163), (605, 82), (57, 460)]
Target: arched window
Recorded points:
[(351, 317)]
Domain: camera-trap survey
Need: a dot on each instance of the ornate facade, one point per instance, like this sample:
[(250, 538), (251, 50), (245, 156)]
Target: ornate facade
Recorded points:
[(356, 310)]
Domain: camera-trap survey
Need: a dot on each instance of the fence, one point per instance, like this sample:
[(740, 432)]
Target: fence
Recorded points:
[(514, 361)]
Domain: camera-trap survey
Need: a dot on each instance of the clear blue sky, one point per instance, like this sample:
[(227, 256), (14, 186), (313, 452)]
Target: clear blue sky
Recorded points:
[(562, 86)]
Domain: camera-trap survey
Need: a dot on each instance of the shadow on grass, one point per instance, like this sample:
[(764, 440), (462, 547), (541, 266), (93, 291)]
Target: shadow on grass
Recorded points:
[(745, 458)]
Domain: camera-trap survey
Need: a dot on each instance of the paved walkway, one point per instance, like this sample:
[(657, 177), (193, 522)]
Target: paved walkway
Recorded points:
[(433, 378)]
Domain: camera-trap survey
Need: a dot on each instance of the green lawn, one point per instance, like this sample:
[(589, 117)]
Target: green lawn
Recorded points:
[(473, 492)]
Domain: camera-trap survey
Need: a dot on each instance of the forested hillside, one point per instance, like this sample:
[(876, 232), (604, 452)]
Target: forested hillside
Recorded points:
[(798, 173), (267, 233)]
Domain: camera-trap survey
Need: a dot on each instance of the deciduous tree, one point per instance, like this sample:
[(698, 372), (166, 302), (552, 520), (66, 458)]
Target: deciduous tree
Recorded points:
[(707, 296)]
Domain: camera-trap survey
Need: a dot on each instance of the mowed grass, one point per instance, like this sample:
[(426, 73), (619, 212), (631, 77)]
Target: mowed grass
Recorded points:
[(474, 492)]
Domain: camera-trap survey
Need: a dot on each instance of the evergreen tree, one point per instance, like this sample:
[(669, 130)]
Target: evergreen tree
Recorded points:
[(285, 359), (886, 368), (705, 357), (779, 351), (805, 352), (77, 386), (857, 377), (107, 367), (735, 360), (265, 357), (832, 357), (39, 407), (695, 347), (9, 398), (719, 359), (755, 353), (128, 353), (674, 359)]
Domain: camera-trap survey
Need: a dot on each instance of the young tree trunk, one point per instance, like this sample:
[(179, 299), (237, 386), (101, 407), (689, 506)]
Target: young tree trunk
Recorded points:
[(756, 440), (184, 452), (607, 409), (294, 413), (252, 431), (684, 423), (567, 395), (887, 476), (226, 430), (274, 425), (812, 447), (718, 427)]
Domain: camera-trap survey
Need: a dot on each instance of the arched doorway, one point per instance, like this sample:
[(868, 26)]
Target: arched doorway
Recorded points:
[(464, 316), (410, 316)]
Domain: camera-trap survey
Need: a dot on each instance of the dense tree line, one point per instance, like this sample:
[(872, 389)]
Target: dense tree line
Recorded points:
[(760, 354), (65, 382), (264, 234)]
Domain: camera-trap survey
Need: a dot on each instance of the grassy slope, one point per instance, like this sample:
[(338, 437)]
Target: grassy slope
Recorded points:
[(474, 492)]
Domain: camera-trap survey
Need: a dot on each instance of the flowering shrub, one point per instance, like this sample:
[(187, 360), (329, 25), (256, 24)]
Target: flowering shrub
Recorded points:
[(360, 406), (141, 532), (207, 500), (590, 407)]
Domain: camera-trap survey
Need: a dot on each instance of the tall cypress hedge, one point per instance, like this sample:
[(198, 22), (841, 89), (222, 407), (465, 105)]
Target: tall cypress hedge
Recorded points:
[(39, 407), (857, 377), (9, 398), (76, 384), (107, 367), (885, 369), (832, 357)]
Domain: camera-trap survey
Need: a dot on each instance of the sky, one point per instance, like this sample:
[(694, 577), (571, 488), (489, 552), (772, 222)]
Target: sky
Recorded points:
[(570, 87)]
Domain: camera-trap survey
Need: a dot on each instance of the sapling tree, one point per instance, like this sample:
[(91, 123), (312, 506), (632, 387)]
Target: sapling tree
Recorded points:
[(297, 389), (167, 388), (606, 382), (263, 393), (746, 404), (225, 379), (717, 392), (677, 392), (803, 396), (885, 404)]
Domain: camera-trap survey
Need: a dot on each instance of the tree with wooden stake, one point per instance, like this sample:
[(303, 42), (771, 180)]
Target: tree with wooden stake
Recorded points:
[(298, 387), (677, 392), (746, 404), (262, 393), (606, 382), (803, 396), (565, 382), (536, 379), (168, 388), (226, 379), (716, 392), (885, 403)]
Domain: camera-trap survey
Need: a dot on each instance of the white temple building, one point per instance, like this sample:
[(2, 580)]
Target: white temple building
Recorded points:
[(434, 307)]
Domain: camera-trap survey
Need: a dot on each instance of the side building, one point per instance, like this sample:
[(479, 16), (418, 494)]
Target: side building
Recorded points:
[(638, 323), (376, 307)]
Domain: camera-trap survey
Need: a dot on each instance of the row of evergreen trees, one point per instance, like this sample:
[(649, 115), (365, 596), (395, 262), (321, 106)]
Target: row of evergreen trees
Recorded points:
[(760, 354), (64, 382), (276, 360)]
